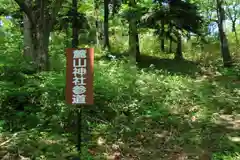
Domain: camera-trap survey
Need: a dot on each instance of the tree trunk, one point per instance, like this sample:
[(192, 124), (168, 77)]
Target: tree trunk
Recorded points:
[(27, 39), (40, 33), (97, 32), (235, 31), (227, 60), (134, 50), (236, 37), (41, 50), (42, 38), (178, 53), (162, 36), (96, 8), (74, 25), (233, 26), (42, 21), (170, 39), (132, 39), (137, 48), (106, 27), (170, 46)]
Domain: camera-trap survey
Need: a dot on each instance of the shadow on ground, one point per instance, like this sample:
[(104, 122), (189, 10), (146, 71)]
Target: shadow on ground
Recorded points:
[(161, 134), (171, 137), (164, 134), (173, 66), (36, 144)]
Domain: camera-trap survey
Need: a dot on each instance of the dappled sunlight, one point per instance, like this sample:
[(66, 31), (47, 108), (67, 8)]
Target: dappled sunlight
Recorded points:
[(229, 121), (169, 116), (172, 66), (147, 105)]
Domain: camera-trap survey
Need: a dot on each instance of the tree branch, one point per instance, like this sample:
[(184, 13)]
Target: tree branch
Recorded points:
[(27, 10)]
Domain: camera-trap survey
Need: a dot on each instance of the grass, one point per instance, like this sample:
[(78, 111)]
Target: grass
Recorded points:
[(161, 109), (169, 110)]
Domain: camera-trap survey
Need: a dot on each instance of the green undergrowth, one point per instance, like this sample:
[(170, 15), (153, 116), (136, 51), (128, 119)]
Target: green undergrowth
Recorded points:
[(142, 112)]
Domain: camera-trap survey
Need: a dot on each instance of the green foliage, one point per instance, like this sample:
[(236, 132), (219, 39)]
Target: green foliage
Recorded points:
[(226, 156), (144, 97), (181, 15), (162, 106)]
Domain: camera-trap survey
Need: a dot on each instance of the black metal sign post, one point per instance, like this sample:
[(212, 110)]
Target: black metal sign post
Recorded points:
[(75, 45), (79, 133)]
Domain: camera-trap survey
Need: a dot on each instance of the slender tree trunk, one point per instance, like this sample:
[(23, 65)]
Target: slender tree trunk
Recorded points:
[(106, 27), (178, 53), (227, 60), (233, 26), (133, 35), (97, 32), (132, 39), (137, 48), (236, 37), (235, 31), (170, 39), (74, 25), (96, 8), (170, 46), (162, 36)]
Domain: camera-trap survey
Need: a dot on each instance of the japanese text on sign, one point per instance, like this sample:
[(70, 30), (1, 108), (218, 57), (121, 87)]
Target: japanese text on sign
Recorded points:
[(79, 76), (79, 71)]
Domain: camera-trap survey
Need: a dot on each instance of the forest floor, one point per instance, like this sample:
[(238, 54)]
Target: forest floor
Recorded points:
[(193, 113), (175, 110)]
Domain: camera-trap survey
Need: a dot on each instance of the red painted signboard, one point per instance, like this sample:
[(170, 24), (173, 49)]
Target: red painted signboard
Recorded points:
[(79, 78)]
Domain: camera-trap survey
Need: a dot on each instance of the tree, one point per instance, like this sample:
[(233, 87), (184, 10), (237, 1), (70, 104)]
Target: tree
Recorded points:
[(162, 35), (180, 16), (97, 22), (106, 27), (27, 40), (132, 13), (216, 13), (133, 32), (227, 60), (41, 16), (74, 24), (178, 53), (233, 13), (170, 38)]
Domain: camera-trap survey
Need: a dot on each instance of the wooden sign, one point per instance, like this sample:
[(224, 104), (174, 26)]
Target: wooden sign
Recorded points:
[(79, 77)]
